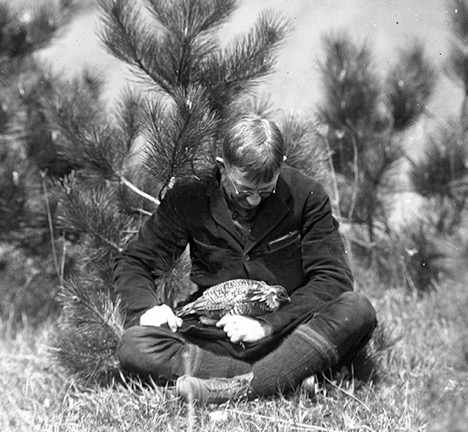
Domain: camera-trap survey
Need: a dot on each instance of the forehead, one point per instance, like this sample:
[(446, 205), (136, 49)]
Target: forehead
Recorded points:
[(240, 178)]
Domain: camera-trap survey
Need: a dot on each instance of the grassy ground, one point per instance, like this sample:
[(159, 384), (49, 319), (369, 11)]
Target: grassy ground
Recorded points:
[(423, 384)]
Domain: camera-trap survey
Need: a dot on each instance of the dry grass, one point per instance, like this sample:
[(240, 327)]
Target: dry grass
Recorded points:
[(423, 384)]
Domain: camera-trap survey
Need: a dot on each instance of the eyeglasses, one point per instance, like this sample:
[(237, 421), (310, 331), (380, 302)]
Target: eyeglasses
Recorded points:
[(249, 192)]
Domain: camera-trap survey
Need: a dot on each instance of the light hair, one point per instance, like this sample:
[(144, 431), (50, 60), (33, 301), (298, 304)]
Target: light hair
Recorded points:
[(255, 146)]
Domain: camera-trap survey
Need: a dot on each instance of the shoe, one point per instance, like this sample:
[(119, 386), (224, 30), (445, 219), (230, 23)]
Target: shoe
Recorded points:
[(213, 390), (310, 385)]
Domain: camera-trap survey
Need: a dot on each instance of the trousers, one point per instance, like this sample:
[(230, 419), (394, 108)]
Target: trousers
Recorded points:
[(330, 336)]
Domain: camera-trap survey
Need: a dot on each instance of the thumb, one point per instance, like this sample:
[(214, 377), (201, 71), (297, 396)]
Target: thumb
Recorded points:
[(221, 322)]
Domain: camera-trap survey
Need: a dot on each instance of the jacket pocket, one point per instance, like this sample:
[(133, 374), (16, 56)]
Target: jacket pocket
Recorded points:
[(289, 240)]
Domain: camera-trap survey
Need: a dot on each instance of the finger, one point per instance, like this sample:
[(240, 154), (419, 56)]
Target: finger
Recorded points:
[(172, 323), (223, 321)]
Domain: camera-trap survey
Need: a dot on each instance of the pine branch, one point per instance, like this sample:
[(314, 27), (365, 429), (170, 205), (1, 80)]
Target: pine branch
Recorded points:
[(443, 163), (180, 137), (127, 119), (234, 70), (181, 52), (100, 149), (153, 54), (92, 324), (86, 141), (13, 195), (24, 31), (170, 50), (423, 261), (87, 301), (129, 199), (173, 279), (459, 18), (72, 109), (262, 106), (306, 151), (457, 65), (410, 84), (351, 85), (192, 17), (129, 38), (188, 37), (351, 109), (92, 212)]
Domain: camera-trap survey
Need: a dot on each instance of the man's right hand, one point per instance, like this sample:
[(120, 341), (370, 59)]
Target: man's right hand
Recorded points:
[(160, 315)]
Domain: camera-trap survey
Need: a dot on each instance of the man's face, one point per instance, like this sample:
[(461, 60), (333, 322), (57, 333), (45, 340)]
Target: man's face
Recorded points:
[(246, 193)]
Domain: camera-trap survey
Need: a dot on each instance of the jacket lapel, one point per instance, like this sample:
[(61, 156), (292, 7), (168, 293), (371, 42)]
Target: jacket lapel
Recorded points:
[(219, 209), (273, 211)]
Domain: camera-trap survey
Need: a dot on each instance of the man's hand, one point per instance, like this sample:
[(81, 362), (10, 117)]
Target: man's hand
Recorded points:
[(240, 328), (160, 315)]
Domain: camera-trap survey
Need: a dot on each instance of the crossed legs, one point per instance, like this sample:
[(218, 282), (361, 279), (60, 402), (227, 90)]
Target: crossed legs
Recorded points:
[(335, 332)]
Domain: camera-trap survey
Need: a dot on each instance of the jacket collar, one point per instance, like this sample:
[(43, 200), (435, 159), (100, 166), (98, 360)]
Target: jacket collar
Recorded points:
[(270, 214)]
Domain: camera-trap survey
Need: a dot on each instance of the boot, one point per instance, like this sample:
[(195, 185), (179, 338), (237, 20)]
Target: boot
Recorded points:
[(213, 390)]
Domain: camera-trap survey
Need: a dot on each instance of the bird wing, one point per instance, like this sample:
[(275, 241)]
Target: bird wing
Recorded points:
[(236, 296)]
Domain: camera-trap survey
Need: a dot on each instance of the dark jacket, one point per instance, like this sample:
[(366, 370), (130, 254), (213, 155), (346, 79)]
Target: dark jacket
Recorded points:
[(294, 242)]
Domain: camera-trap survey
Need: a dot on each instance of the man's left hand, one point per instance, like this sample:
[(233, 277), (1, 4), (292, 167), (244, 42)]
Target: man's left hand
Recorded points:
[(241, 328)]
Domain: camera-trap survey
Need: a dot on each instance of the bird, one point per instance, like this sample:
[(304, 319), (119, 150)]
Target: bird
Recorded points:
[(236, 297)]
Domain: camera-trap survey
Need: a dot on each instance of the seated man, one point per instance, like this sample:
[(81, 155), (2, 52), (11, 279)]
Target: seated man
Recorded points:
[(252, 218)]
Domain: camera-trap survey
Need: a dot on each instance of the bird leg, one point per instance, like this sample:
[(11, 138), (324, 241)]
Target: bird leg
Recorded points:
[(208, 321)]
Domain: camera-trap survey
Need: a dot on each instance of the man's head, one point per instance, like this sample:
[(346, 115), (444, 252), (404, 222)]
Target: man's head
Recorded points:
[(252, 154)]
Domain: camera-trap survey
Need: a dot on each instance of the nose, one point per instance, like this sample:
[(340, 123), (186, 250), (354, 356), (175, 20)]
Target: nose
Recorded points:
[(254, 199)]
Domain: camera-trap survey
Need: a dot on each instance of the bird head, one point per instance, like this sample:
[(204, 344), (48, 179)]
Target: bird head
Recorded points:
[(273, 295), (276, 297)]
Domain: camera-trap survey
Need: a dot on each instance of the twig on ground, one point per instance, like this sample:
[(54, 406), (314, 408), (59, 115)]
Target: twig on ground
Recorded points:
[(348, 394), (287, 422)]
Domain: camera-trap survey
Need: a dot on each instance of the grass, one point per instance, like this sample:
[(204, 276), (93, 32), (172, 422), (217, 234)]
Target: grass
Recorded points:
[(422, 384)]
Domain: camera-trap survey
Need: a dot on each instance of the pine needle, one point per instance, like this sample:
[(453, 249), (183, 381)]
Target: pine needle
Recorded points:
[(86, 340)]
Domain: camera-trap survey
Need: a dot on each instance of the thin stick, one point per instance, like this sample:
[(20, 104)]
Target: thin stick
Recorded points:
[(51, 225), (288, 422), (348, 394), (142, 211), (333, 175), (356, 178), (64, 253), (131, 186)]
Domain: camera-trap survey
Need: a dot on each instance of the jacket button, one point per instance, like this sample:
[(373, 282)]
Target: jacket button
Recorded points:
[(247, 257)]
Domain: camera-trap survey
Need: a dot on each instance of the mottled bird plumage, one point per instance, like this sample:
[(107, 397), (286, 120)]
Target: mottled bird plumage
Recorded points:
[(236, 297)]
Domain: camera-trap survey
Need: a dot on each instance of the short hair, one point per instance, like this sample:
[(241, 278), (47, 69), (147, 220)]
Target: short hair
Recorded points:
[(255, 146)]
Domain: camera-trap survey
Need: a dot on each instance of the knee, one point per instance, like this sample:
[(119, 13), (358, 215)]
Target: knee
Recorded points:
[(149, 351), (129, 348), (358, 310)]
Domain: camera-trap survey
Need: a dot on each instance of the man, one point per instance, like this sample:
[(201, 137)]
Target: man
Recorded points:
[(252, 218)]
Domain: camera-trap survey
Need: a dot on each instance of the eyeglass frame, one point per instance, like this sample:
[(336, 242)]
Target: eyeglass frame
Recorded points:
[(249, 192)]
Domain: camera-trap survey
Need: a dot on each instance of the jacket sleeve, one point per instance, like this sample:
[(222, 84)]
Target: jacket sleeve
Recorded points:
[(324, 261), (160, 241)]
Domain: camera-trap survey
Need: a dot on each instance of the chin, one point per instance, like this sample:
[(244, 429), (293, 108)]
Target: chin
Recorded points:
[(247, 206)]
